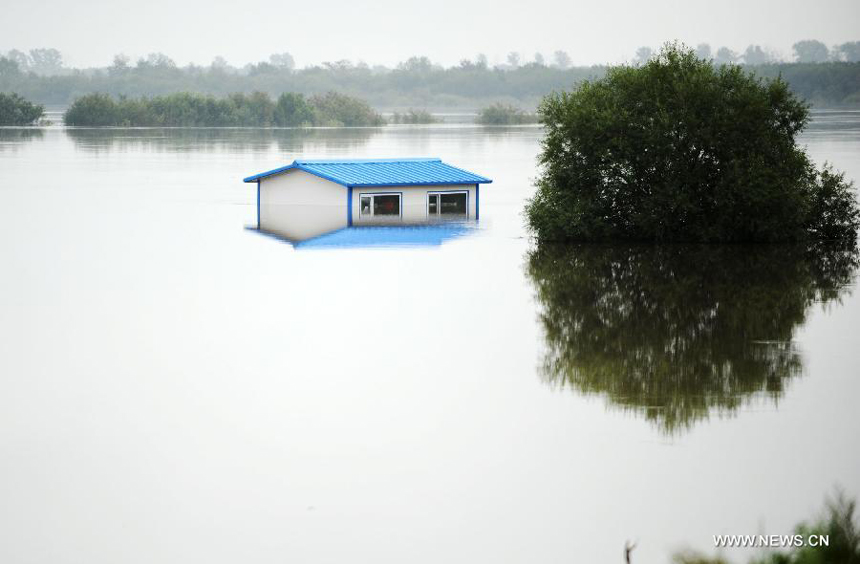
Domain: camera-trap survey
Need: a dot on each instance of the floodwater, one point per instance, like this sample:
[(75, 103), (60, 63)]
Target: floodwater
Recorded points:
[(176, 386)]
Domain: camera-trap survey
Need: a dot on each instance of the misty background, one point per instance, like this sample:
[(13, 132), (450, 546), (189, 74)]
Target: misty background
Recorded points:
[(825, 75), (393, 56), (386, 32)]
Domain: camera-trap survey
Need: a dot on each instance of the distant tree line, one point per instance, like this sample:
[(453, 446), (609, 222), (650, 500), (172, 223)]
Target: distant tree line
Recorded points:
[(416, 82), (806, 51), (824, 75), (186, 109), (42, 62)]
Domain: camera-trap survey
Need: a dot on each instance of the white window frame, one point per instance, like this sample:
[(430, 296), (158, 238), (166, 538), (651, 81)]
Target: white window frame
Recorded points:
[(438, 214), (372, 215)]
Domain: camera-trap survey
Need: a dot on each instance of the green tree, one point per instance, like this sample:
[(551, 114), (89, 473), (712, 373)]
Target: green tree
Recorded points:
[(681, 150), (15, 110)]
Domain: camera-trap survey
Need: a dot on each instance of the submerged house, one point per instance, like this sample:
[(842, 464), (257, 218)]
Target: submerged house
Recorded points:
[(311, 197)]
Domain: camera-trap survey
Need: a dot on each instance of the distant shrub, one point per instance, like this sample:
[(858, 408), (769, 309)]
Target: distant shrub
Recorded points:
[(502, 114), (340, 110), (15, 110), (679, 149), (414, 117), (293, 110), (186, 109)]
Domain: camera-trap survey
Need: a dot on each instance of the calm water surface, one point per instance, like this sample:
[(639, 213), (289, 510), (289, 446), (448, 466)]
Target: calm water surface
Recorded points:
[(175, 387)]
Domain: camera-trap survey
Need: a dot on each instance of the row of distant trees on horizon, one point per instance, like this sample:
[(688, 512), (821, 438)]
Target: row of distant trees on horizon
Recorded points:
[(49, 61), (827, 76), (806, 51)]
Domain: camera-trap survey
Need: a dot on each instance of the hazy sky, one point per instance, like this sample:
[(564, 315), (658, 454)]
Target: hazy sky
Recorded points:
[(90, 32)]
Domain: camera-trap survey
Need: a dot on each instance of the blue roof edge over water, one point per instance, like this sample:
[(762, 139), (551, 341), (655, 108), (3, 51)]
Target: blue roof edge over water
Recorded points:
[(380, 172)]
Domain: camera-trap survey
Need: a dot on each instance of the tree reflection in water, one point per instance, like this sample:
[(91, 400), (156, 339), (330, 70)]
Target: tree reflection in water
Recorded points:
[(677, 333)]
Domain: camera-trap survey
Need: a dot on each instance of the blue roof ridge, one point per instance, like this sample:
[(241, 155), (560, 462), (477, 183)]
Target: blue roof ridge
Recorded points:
[(367, 161), (318, 167)]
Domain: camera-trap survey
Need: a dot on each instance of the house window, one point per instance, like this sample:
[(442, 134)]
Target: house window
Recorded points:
[(379, 205), (448, 205)]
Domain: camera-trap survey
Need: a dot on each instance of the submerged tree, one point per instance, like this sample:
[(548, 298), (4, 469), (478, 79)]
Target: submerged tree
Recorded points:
[(412, 116), (677, 333), (15, 110), (504, 114), (682, 150), (186, 109), (341, 110)]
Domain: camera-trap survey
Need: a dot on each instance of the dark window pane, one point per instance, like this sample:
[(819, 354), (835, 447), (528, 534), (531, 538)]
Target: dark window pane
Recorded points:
[(365, 205), (386, 205), (433, 204), (452, 204)]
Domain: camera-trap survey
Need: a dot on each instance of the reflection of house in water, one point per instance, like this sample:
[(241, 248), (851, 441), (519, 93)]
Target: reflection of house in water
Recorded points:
[(388, 236), (309, 198)]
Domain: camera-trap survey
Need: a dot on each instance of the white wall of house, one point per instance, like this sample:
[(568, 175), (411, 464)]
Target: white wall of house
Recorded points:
[(414, 201), (299, 205)]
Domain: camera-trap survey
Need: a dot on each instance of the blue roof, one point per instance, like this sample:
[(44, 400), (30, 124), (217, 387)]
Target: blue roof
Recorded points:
[(381, 172)]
